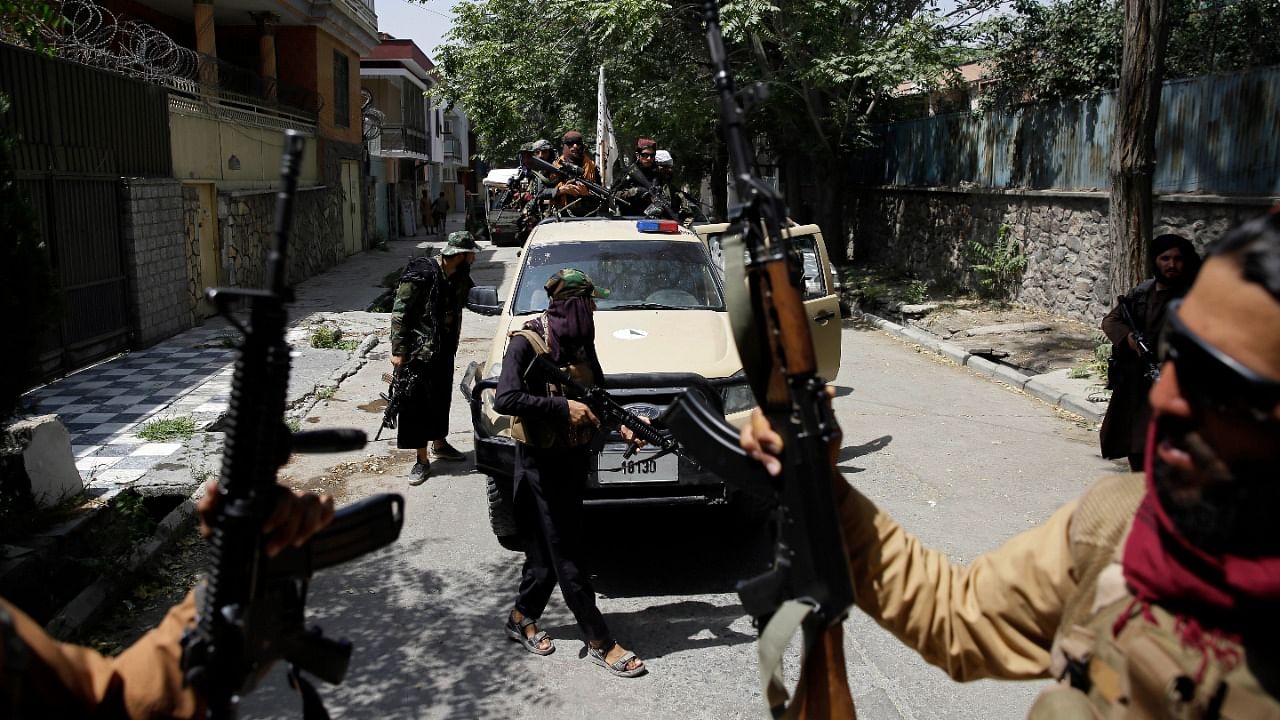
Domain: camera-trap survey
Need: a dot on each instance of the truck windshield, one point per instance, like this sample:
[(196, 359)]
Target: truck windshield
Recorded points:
[(640, 274)]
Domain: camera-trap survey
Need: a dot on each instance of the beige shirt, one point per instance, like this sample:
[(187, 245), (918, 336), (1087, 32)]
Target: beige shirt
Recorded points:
[(61, 680)]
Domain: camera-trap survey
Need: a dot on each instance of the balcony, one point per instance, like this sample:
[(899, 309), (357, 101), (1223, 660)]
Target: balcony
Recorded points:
[(404, 141), (453, 149), (234, 88)]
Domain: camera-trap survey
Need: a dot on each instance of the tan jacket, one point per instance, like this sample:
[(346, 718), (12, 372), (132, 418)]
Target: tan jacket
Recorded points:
[(999, 616), (59, 680)]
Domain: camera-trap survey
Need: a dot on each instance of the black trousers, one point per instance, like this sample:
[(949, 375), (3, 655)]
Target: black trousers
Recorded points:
[(548, 500), (424, 416)]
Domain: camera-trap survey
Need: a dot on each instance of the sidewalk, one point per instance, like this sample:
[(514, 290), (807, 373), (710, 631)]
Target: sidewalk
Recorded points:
[(186, 376), (1056, 387)]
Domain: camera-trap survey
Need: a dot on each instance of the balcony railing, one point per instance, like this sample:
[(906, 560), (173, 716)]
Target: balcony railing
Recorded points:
[(211, 77), (403, 140), (453, 148)]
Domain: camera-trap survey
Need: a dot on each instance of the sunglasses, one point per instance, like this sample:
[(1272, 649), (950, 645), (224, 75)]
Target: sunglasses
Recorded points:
[(1210, 379), (567, 143), (646, 154)]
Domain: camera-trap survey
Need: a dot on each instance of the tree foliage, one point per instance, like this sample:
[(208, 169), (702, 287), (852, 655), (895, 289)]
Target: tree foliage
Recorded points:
[(1071, 48)]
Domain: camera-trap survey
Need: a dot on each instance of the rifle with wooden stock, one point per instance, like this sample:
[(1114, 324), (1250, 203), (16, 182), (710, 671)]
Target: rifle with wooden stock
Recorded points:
[(809, 585)]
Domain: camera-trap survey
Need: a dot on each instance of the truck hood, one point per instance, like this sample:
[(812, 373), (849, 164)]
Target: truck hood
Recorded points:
[(660, 341)]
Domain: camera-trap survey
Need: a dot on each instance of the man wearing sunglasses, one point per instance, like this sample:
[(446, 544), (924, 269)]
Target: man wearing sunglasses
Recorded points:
[(569, 195), (1153, 595), (633, 192), (1133, 326)]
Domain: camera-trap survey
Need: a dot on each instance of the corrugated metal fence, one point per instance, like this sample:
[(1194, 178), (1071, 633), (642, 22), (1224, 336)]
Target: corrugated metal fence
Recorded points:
[(79, 131), (1216, 134)]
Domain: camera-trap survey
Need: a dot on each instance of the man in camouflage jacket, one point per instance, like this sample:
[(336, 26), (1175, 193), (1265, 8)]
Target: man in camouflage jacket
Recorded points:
[(426, 321)]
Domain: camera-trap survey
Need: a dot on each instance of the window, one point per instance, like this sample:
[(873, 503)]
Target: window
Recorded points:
[(439, 124), (341, 90), (448, 174), (448, 127)]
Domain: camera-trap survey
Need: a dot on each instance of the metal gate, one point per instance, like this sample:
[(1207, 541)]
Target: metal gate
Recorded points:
[(79, 131)]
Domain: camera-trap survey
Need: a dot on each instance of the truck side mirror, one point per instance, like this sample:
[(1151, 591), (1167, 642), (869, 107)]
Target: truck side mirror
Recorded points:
[(483, 300)]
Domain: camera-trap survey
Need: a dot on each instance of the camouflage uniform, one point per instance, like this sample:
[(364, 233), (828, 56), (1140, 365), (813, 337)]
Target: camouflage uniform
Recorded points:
[(426, 323)]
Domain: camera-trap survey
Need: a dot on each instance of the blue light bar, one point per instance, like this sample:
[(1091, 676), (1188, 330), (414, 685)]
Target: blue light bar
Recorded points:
[(658, 226)]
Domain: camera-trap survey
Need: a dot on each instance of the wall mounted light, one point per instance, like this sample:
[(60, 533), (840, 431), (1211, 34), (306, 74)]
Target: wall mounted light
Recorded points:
[(233, 163)]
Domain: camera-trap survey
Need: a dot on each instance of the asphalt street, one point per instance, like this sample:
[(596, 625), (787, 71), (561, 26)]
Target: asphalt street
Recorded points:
[(962, 462)]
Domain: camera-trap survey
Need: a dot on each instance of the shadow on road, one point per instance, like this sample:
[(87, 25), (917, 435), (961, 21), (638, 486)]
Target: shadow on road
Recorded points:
[(667, 629)]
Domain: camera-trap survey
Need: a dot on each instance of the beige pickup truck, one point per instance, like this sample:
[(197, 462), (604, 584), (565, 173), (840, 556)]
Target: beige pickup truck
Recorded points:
[(663, 330)]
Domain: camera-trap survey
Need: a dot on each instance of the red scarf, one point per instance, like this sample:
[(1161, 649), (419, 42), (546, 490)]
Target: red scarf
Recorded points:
[(1163, 567)]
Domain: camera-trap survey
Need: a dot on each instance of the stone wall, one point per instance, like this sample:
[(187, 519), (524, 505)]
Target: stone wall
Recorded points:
[(155, 258), (926, 232), (246, 220)]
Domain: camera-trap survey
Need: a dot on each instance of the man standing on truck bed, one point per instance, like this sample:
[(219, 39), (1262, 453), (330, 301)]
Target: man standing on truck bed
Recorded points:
[(553, 455), (569, 195)]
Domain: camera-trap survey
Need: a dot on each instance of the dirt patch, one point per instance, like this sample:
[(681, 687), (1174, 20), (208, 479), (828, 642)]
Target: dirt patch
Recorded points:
[(1031, 340)]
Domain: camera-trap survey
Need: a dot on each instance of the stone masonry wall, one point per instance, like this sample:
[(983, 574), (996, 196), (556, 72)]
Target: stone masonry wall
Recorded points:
[(926, 232), (190, 220), (245, 221), (156, 258)]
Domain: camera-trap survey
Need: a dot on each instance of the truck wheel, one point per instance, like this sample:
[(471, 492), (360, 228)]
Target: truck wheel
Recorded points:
[(502, 516)]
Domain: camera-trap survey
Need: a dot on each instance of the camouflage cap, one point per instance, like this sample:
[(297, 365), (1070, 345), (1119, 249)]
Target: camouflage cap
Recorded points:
[(539, 145), (571, 282), (460, 241), (527, 147)]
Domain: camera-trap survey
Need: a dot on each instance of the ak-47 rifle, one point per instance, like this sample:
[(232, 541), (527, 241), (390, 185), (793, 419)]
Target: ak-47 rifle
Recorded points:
[(608, 409), (1145, 352), (251, 608), (809, 584)]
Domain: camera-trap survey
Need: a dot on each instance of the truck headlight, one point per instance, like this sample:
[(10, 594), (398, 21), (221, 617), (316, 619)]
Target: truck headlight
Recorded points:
[(737, 397)]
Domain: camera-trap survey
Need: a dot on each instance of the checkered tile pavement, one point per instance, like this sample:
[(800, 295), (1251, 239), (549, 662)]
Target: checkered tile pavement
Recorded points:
[(103, 406)]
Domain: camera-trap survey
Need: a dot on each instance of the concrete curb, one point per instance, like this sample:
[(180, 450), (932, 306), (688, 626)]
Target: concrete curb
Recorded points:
[(999, 373), (87, 606)]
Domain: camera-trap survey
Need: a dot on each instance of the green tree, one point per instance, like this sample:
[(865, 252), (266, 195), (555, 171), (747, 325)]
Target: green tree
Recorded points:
[(1071, 48), (525, 69)]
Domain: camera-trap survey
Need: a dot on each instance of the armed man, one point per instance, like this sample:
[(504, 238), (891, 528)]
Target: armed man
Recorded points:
[(1154, 594), (426, 323), (665, 169), (633, 193), (1133, 327), (569, 195), (43, 678)]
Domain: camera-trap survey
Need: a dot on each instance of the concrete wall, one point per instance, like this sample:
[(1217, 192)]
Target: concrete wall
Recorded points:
[(156, 258), (1064, 235), (203, 147)]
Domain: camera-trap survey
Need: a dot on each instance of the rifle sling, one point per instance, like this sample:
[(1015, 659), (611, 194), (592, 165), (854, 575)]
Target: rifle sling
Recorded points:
[(771, 647)]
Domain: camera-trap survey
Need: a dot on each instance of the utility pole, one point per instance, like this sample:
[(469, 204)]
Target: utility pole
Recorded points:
[(1134, 140)]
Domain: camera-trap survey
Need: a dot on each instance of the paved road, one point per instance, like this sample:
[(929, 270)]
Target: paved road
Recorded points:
[(962, 462)]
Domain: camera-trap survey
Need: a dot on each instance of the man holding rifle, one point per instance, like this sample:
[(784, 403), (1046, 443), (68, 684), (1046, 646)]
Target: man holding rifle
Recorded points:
[(426, 323), (1150, 596), (1134, 324), (569, 195), (41, 677), (553, 454)]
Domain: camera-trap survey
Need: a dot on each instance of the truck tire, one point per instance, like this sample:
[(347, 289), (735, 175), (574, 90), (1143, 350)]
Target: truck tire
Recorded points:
[(502, 516)]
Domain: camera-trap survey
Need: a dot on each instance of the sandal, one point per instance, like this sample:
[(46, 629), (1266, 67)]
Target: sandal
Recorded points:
[(618, 667), (515, 631)]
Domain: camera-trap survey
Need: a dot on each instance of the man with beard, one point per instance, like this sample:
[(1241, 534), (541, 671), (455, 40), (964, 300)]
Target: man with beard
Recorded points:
[(633, 196), (569, 195), (1174, 263), (426, 322), (553, 456), (1152, 595)]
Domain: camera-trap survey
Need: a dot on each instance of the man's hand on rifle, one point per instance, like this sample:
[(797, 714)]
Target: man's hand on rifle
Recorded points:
[(296, 517), (630, 436), (764, 445), (580, 414)]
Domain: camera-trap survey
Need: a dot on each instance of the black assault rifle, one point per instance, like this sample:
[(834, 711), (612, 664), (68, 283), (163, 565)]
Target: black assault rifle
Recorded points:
[(399, 389), (573, 172), (809, 585), (1146, 353), (251, 608), (608, 409)]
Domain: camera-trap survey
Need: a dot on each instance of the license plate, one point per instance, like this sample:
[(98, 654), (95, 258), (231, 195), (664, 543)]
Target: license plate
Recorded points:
[(641, 467)]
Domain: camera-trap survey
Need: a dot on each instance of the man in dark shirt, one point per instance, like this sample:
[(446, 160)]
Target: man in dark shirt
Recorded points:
[(553, 456), (1175, 263)]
